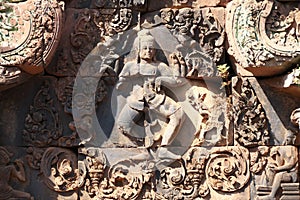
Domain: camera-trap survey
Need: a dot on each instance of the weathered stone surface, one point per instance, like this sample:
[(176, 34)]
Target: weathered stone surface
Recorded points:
[(202, 173), (258, 115), (210, 3), (38, 119), (263, 36), (274, 172), (30, 31), (146, 99)]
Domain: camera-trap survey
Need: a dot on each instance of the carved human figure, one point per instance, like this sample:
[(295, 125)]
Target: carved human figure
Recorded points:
[(147, 96), (281, 167), (8, 171)]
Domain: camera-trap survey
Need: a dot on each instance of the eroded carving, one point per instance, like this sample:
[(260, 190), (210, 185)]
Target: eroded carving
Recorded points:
[(187, 22), (250, 121), (227, 170), (29, 33), (263, 33), (214, 126), (198, 175), (148, 97), (219, 169), (59, 169), (275, 168), (42, 125), (118, 181), (9, 75), (7, 172)]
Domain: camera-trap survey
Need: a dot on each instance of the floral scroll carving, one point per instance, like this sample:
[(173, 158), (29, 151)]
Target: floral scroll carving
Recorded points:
[(42, 125), (196, 176), (250, 121), (228, 171), (59, 169)]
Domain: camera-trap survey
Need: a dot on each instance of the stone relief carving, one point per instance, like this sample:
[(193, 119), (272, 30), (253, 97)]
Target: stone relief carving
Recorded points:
[(9, 75), (42, 125), (59, 169), (214, 126), (118, 3), (29, 33), (250, 121), (274, 168), (198, 175), (7, 172), (200, 30), (266, 36), (169, 101), (148, 97)]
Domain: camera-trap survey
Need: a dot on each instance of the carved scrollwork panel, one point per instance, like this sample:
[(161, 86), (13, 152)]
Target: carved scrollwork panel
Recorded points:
[(59, 169), (258, 117), (251, 124)]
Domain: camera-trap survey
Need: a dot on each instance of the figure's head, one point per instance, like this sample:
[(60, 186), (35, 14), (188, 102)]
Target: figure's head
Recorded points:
[(146, 46), (4, 156), (290, 138)]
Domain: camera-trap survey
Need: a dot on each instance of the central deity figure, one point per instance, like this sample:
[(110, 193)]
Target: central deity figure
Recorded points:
[(145, 78)]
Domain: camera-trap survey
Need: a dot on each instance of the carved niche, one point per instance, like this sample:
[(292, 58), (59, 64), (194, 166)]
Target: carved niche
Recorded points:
[(189, 95), (263, 36)]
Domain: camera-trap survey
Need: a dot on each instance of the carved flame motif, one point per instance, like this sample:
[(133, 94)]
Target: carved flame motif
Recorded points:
[(42, 126), (251, 122)]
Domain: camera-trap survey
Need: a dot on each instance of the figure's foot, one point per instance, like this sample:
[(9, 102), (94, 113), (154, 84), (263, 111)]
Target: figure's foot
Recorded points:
[(164, 153), (148, 142), (267, 197)]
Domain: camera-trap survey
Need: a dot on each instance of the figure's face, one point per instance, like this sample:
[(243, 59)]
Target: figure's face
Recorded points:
[(4, 158), (147, 50)]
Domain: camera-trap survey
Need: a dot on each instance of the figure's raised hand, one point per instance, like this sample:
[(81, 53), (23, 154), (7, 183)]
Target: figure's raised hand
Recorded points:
[(19, 162), (178, 64)]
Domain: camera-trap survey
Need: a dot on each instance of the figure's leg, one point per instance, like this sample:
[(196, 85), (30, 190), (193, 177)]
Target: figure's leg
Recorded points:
[(174, 112), (276, 184), (172, 128), (126, 118), (20, 194)]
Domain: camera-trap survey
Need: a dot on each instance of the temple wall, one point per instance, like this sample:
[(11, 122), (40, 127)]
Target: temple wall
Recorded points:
[(149, 99)]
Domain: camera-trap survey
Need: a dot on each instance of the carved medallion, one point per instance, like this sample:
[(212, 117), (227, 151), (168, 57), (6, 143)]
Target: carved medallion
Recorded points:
[(29, 33), (263, 34)]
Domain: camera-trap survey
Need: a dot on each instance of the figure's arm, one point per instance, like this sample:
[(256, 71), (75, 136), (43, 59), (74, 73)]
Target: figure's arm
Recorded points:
[(290, 162), (124, 77), (122, 83), (171, 81), (169, 78), (20, 175)]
